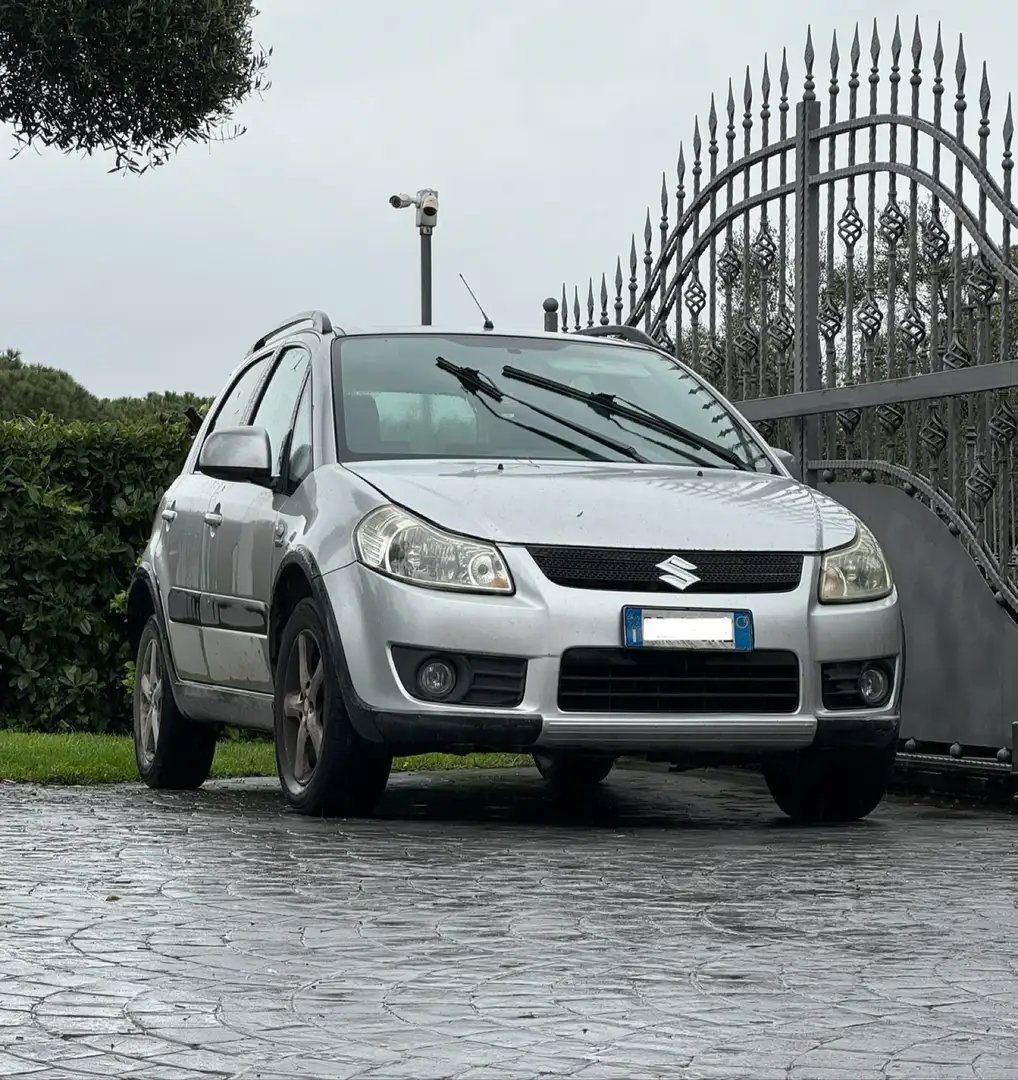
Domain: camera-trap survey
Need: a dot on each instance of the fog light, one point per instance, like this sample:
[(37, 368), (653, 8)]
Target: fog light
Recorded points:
[(874, 686), (436, 678)]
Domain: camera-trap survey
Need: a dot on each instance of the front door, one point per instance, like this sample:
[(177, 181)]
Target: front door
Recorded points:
[(243, 543), (185, 536), (180, 560)]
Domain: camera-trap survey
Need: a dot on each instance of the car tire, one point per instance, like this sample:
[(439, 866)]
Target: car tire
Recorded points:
[(325, 768), (172, 751), (831, 785), (573, 773)]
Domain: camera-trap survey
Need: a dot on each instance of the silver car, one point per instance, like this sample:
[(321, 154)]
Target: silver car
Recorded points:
[(392, 542)]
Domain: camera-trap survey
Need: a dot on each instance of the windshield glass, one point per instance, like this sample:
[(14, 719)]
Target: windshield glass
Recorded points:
[(394, 402)]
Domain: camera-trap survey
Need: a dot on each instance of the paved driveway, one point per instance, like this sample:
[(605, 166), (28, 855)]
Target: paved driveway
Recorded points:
[(680, 929)]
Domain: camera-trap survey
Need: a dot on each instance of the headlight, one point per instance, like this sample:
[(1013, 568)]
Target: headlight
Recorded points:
[(396, 543), (855, 572)]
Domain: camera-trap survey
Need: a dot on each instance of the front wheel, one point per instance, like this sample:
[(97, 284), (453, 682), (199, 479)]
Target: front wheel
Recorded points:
[(170, 750), (831, 785), (325, 767), (573, 773)]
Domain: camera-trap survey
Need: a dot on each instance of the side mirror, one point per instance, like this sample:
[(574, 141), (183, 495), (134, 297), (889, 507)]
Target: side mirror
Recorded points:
[(237, 453), (789, 460)]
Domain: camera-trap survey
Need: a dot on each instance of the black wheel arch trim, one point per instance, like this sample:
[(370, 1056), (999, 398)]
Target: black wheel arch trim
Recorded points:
[(144, 577), (408, 732)]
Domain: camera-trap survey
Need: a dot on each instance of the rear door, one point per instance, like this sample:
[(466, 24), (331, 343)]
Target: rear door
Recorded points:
[(244, 540), (185, 536)]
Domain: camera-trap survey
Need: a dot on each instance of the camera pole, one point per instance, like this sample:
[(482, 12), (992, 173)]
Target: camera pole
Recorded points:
[(426, 202), (425, 276)]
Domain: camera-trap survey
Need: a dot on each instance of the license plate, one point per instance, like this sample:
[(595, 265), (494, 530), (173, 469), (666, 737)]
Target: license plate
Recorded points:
[(668, 628)]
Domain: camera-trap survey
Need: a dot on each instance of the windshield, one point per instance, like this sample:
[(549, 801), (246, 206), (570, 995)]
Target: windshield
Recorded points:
[(394, 400)]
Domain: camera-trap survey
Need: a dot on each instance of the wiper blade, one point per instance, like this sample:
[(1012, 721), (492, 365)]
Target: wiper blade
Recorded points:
[(609, 404), (471, 379)]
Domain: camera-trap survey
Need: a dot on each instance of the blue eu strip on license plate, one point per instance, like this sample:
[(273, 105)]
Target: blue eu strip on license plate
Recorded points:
[(668, 628)]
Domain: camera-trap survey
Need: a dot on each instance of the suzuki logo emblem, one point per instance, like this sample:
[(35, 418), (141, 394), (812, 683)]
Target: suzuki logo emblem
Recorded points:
[(677, 572)]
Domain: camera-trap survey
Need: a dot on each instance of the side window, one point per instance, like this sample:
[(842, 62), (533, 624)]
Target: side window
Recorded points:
[(231, 412), (301, 459), (275, 410)]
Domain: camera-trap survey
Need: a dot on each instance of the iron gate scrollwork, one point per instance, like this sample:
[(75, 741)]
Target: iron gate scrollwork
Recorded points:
[(842, 268)]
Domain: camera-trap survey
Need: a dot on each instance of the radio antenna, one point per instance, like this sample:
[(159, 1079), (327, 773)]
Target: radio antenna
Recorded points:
[(488, 324)]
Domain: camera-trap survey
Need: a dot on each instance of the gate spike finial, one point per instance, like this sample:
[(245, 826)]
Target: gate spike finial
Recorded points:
[(809, 55), (984, 97), (938, 54), (917, 47), (1008, 133), (648, 232), (618, 291), (856, 50), (632, 257), (784, 75), (565, 310), (835, 57), (680, 172), (731, 106), (765, 84), (961, 68), (875, 47), (747, 93), (712, 120), (896, 42), (664, 198)]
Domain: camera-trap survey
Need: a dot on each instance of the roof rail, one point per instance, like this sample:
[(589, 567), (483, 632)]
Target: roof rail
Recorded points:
[(627, 333), (319, 320)]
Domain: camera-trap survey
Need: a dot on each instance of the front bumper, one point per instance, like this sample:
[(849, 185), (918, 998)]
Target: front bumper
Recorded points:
[(542, 620)]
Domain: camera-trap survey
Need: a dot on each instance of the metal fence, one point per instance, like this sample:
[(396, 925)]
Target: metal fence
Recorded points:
[(842, 269)]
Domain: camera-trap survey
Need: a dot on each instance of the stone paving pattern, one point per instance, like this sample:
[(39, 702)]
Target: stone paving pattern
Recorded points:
[(677, 928)]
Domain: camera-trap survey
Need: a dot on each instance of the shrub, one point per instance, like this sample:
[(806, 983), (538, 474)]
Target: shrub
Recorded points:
[(77, 501)]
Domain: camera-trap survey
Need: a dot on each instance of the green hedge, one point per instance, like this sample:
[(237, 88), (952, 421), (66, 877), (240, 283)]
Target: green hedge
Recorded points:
[(77, 503)]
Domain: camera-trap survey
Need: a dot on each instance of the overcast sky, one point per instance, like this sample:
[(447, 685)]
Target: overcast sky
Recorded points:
[(544, 124)]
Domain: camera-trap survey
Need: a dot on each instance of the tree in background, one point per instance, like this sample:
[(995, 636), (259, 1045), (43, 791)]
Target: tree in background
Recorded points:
[(135, 78), (29, 390)]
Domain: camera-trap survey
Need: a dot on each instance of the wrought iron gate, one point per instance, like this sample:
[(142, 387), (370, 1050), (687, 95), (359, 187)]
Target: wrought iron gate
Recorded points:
[(843, 270)]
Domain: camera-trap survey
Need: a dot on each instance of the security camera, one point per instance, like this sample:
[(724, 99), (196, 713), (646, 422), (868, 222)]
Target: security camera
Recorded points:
[(427, 208), (400, 202)]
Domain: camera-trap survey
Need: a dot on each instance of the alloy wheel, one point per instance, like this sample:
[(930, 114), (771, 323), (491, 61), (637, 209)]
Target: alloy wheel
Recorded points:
[(151, 706), (303, 710)]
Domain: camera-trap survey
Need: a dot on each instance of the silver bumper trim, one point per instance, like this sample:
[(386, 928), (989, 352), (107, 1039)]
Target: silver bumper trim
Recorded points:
[(631, 733)]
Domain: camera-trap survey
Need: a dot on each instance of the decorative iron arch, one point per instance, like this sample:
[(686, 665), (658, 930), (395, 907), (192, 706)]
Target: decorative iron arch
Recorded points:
[(855, 235)]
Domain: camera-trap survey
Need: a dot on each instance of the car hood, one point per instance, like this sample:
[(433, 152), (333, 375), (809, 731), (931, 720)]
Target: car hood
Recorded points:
[(614, 505)]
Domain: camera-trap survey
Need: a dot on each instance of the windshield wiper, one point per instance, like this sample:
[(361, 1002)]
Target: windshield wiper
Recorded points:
[(471, 379), (609, 404)]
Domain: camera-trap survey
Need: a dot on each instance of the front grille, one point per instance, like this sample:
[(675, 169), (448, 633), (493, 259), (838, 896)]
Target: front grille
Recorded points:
[(675, 681), (636, 569)]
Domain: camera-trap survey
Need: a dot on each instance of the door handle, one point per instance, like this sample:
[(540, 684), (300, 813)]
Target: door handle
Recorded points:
[(280, 533), (212, 519), (169, 514)]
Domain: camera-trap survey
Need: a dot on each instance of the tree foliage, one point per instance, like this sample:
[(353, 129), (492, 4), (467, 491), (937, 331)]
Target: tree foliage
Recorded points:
[(29, 391), (136, 78)]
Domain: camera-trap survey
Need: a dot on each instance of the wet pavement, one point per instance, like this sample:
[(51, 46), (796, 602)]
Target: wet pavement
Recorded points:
[(678, 928)]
